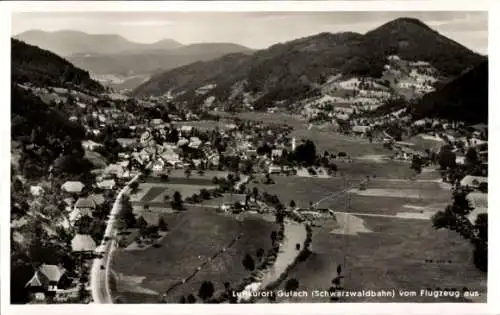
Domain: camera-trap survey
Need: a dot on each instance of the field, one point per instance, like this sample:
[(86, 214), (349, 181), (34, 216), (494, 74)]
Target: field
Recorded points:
[(228, 267), (194, 237), (301, 189), (395, 256)]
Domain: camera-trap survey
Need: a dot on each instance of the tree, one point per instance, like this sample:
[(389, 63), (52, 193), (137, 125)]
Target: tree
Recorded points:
[(248, 262), (134, 186), (455, 218), (126, 218), (260, 253), (177, 203), (446, 157), (292, 285), (471, 157), (416, 164), (274, 237), (162, 226), (255, 192), (83, 225), (191, 299), (205, 194), (206, 290), (293, 204), (141, 224), (305, 153)]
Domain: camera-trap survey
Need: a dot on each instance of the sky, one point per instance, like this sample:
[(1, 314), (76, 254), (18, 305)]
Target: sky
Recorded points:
[(255, 30)]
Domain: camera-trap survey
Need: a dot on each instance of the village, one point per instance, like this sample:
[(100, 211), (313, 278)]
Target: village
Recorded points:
[(214, 163)]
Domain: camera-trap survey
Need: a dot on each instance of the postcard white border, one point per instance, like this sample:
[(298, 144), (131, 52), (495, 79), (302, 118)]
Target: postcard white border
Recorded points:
[(492, 307)]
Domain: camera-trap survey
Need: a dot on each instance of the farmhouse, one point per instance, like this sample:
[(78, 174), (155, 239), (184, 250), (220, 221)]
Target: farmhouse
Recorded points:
[(473, 181), (46, 281), (231, 201), (83, 243)]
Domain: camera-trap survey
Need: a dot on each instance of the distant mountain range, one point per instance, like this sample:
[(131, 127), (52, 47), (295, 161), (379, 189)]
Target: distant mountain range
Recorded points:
[(150, 61), (30, 64), (67, 43), (289, 70), (132, 63)]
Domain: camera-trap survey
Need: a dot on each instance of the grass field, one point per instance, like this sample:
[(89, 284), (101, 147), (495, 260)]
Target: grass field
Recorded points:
[(335, 142), (301, 189), (194, 236), (152, 193), (393, 257), (228, 266)]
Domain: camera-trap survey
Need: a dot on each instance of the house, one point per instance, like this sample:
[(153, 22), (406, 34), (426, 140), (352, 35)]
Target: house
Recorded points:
[(460, 160), (98, 199), (156, 121), (478, 201), (47, 280), (182, 142), (90, 145), (36, 190), (106, 184), (361, 130), (73, 187), (274, 169), (114, 169), (186, 131), (158, 165), (194, 142), (231, 200), (473, 181), (85, 203), (276, 153), (83, 243)]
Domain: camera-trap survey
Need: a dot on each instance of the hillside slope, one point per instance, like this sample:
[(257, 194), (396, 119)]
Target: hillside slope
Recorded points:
[(302, 64), (463, 99), (30, 64), (65, 43)]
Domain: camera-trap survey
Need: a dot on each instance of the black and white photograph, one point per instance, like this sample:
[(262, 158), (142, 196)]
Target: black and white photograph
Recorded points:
[(248, 157)]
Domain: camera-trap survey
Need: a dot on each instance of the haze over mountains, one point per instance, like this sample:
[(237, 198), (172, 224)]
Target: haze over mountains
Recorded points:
[(121, 63), (66, 43)]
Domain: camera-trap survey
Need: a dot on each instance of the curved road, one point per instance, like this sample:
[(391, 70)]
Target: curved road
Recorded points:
[(99, 283)]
